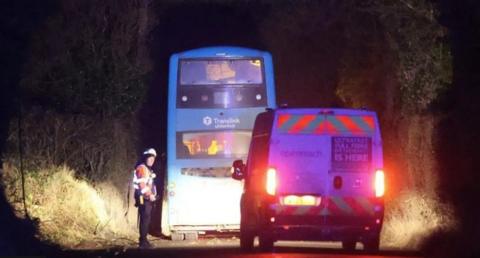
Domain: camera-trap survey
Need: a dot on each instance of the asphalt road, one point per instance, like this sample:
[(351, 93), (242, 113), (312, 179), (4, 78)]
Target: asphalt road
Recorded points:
[(230, 248)]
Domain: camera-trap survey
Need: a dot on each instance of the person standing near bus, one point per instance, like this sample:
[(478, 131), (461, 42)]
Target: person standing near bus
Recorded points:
[(145, 193)]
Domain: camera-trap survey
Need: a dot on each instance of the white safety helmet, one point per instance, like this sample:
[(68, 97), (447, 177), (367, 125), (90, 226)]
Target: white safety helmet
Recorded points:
[(151, 152)]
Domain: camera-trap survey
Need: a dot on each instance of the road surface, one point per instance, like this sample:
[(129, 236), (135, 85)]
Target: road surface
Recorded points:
[(229, 248)]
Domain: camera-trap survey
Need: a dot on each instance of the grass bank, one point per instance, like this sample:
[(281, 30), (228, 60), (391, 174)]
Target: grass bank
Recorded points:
[(70, 211), (412, 217)]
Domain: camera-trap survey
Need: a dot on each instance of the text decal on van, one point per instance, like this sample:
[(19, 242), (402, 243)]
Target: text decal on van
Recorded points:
[(351, 153)]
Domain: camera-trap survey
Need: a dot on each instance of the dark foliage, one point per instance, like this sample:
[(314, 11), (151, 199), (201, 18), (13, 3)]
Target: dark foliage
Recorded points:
[(18, 19), (92, 66), (458, 134)]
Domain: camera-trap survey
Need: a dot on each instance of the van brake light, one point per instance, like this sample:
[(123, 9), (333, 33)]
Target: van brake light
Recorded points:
[(379, 183), (271, 181)]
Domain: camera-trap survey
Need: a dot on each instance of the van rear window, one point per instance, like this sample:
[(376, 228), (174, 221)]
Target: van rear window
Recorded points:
[(325, 124)]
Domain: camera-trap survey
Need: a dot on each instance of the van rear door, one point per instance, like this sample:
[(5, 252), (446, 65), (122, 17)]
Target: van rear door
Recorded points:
[(302, 163), (355, 148), (331, 155), (301, 156)]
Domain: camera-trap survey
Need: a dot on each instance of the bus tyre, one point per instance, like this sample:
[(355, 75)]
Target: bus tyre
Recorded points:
[(266, 242), (372, 244), (349, 245), (178, 236), (246, 239), (191, 236)]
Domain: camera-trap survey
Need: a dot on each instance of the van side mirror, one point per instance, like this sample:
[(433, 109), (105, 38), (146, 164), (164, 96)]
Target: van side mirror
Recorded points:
[(238, 170)]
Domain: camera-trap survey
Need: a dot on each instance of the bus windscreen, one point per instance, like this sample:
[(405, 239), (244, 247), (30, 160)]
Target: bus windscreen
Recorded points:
[(213, 144), (224, 72)]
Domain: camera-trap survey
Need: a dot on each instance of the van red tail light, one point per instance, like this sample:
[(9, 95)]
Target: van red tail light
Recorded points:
[(271, 185), (379, 183)]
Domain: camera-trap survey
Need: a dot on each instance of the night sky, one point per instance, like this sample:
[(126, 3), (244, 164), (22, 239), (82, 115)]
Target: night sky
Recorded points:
[(191, 24)]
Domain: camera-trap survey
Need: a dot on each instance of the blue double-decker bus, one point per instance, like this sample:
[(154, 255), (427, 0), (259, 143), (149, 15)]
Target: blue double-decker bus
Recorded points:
[(214, 95)]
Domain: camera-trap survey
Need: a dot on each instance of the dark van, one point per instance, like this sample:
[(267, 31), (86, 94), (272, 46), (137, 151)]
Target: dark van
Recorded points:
[(313, 174)]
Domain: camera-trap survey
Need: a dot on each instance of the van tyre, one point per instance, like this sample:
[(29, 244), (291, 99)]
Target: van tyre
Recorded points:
[(247, 234), (349, 245), (372, 244), (246, 239), (266, 242), (248, 222)]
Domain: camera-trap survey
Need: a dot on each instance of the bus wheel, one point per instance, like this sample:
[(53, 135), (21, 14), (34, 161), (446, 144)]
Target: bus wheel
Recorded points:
[(372, 244), (349, 245), (266, 242), (191, 236), (178, 236), (246, 239)]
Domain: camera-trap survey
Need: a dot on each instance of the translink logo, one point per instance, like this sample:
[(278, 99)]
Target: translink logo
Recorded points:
[(207, 120), (222, 123)]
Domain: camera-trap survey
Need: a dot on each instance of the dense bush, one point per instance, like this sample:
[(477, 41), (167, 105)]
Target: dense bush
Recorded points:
[(96, 148)]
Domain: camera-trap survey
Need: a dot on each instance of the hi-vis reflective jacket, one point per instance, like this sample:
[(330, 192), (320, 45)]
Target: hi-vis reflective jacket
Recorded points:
[(143, 182)]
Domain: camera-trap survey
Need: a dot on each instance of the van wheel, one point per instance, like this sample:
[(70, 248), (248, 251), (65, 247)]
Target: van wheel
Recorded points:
[(266, 242), (349, 245), (246, 239), (248, 228), (372, 244)]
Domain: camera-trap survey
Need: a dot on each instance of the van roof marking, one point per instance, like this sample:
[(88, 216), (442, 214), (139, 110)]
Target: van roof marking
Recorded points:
[(289, 122), (336, 122), (302, 123), (282, 119), (350, 124), (315, 124), (369, 121), (320, 124), (360, 121), (321, 127), (331, 128)]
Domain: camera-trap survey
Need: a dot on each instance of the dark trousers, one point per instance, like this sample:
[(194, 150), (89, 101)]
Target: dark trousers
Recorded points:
[(145, 212)]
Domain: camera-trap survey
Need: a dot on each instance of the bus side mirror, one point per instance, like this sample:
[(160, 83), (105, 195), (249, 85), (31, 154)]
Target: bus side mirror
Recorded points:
[(238, 170)]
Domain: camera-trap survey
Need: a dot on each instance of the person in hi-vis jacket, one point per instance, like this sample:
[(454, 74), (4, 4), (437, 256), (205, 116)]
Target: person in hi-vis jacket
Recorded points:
[(145, 193)]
